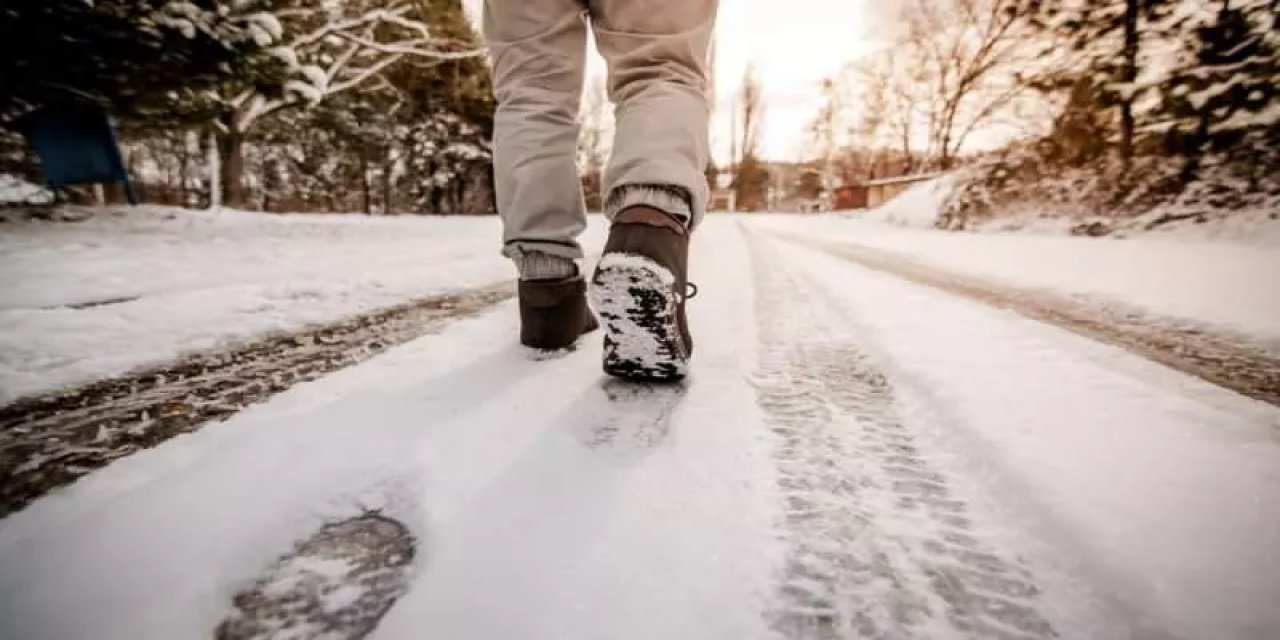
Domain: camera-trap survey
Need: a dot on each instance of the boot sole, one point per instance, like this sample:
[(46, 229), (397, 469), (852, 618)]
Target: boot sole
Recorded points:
[(636, 298)]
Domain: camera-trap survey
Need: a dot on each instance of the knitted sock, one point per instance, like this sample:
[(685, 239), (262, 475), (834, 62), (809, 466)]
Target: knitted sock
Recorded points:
[(535, 265)]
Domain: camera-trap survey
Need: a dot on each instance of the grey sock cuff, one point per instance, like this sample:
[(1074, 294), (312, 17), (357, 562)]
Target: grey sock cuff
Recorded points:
[(673, 200), (536, 265)]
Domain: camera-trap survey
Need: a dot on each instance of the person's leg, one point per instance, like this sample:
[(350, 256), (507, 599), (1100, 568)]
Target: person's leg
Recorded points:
[(538, 49), (657, 191), (657, 56)]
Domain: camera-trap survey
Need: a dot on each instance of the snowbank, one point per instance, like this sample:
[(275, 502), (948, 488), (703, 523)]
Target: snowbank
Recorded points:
[(921, 207), (1258, 227), (918, 206), (14, 191), (125, 288)]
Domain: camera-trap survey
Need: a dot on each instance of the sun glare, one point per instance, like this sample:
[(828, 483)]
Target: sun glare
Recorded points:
[(793, 45)]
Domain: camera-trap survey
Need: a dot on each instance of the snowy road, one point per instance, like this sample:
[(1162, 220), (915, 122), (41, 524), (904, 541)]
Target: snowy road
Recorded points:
[(854, 456)]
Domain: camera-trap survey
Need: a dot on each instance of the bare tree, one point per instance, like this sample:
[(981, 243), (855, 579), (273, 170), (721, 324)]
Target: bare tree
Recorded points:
[(595, 134), (968, 54), (891, 106), (751, 111), (751, 177), (825, 130), (840, 144)]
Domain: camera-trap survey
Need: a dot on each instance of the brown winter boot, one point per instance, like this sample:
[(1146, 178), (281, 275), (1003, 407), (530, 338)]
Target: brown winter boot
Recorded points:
[(640, 287), (554, 313)]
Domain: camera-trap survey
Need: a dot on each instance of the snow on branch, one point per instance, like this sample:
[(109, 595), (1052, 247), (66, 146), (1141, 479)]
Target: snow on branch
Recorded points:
[(337, 52)]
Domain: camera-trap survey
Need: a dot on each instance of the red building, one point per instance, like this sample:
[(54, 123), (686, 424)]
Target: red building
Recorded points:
[(849, 196)]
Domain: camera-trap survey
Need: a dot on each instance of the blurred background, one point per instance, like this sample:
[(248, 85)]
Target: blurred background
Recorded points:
[(1103, 110)]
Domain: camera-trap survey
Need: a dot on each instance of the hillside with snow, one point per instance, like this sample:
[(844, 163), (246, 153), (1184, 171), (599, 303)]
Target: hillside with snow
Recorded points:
[(927, 205)]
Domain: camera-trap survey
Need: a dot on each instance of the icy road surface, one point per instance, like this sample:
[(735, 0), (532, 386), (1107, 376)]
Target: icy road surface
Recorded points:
[(854, 455)]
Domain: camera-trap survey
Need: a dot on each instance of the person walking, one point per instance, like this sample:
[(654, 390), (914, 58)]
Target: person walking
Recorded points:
[(655, 189)]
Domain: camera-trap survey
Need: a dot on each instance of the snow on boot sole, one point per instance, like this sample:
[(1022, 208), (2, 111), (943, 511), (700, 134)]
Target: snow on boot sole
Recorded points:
[(636, 297)]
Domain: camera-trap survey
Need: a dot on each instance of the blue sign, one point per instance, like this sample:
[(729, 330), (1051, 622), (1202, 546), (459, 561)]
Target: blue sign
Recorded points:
[(77, 145)]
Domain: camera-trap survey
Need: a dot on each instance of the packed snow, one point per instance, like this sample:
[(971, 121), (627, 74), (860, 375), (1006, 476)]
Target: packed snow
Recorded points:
[(1227, 286), (130, 287), (118, 289), (1146, 480), (551, 503), (536, 520)]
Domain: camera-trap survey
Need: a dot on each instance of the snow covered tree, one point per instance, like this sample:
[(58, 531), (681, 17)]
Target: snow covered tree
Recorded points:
[(1168, 105), (1223, 80), (328, 48), (1119, 47), (445, 157), (413, 137), (134, 58), (1181, 74)]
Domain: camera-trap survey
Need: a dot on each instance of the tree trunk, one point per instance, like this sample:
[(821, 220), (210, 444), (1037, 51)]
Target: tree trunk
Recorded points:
[(1195, 149), (907, 159), (1128, 76), (215, 171), (231, 167), (366, 188), (386, 185), (131, 164), (184, 169), (946, 158)]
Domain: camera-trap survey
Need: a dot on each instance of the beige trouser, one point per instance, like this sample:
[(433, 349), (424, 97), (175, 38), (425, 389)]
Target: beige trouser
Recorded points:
[(656, 51)]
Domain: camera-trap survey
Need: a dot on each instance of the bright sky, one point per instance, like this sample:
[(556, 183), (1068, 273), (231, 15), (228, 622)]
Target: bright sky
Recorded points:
[(794, 44)]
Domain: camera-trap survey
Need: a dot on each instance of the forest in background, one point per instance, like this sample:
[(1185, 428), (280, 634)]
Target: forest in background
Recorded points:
[(1111, 108), (376, 106)]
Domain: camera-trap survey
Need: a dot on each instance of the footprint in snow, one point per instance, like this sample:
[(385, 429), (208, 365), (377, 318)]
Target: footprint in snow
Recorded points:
[(336, 584), (634, 417)]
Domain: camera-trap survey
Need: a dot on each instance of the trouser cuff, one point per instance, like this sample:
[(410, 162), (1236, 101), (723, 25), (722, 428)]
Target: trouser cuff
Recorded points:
[(670, 199)]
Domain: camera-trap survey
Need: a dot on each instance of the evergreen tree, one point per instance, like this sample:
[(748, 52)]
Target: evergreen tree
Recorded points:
[(331, 49), (1114, 43), (1223, 83), (413, 138), (135, 58), (446, 122)]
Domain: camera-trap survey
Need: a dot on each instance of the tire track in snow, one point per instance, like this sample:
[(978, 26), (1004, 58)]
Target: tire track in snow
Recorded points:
[(50, 441), (882, 545), (1237, 363)]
